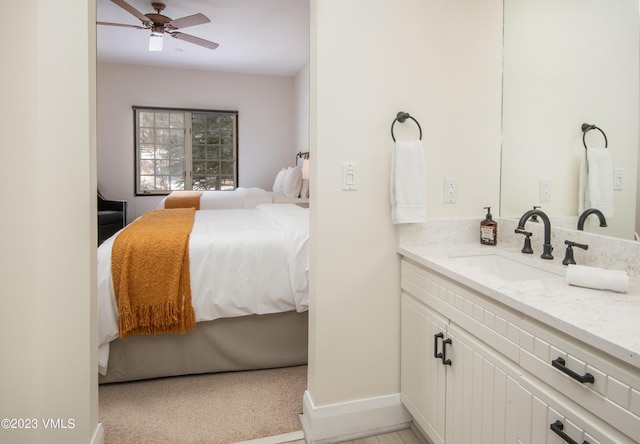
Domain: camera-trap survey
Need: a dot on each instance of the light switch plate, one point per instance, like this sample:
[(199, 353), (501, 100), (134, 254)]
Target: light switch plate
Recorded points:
[(349, 176), (617, 178)]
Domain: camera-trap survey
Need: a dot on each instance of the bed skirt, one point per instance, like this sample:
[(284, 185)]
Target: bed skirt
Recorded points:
[(229, 344)]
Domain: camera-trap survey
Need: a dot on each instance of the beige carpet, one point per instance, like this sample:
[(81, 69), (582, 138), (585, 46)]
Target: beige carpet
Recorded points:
[(215, 409)]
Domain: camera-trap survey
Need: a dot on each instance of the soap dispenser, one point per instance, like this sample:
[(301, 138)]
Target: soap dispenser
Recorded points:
[(488, 229)]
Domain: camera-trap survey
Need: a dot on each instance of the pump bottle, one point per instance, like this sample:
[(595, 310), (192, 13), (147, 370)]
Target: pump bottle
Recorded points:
[(488, 229)]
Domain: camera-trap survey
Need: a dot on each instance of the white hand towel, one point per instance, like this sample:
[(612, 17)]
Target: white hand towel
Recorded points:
[(598, 278), (583, 202), (596, 181), (408, 183)]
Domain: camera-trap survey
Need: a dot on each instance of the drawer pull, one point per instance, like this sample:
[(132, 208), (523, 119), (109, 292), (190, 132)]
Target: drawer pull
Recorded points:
[(445, 361), (561, 365), (435, 345), (558, 428)]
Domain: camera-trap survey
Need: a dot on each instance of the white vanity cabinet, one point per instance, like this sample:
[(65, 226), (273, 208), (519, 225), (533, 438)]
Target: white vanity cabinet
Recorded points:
[(423, 376), (476, 371), (457, 389)]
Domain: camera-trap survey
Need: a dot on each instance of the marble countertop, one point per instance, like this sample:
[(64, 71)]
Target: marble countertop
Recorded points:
[(607, 320)]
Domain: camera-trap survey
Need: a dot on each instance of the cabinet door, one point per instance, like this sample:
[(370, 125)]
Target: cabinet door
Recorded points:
[(482, 389), (422, 375)]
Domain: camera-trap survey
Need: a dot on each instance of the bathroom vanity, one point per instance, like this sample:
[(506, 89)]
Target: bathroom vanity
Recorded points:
[(517, 357)]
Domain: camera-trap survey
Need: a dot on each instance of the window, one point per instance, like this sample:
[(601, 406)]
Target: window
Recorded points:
[(185, 150)]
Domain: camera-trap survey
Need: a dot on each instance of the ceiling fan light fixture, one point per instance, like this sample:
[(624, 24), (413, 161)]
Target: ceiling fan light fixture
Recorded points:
[(160, 24), (155, 42), (157, 30)]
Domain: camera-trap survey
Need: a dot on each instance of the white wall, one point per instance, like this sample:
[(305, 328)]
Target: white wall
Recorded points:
[(441, 62), (47, 232), (266, 126)]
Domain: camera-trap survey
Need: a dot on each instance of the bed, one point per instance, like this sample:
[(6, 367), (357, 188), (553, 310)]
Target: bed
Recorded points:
[(288, 187), (231, 199), (249, 291)]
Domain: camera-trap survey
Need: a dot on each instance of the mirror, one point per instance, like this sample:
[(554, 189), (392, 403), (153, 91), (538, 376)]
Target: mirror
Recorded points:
[(569, 62)]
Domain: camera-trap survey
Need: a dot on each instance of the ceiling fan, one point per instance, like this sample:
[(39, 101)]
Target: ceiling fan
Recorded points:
[(159, 25)]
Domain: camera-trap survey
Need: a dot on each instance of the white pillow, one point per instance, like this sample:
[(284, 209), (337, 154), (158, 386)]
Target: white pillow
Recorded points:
[(277, 184), (292, 182), (304, 189)]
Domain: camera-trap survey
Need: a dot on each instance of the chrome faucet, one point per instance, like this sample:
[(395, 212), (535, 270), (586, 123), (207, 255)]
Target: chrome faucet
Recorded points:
[(586, 213), (546, 247)]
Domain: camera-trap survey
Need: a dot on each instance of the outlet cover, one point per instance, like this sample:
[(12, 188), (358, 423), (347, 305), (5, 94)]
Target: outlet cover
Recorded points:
[(545, 190), (450, 191)]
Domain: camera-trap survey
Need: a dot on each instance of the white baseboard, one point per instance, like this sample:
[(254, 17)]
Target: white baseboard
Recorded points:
[(276, 439), (98, 435), (353, 419)]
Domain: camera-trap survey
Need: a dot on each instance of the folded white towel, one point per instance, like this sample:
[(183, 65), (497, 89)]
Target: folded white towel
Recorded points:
[(598, 278), (408, 183), (596, 181)]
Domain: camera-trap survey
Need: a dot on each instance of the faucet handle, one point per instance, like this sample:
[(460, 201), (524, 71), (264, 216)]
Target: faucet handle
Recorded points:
[(569, 243), (527, 240), (568, 257)]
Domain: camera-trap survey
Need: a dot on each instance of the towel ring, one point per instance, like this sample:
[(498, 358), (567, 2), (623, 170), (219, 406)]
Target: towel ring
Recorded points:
[(588, 127), (402, 117)]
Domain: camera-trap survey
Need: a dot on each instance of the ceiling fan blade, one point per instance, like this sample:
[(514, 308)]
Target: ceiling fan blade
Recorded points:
[(131, 10), (195, 40), (121, 24), (190, 20)]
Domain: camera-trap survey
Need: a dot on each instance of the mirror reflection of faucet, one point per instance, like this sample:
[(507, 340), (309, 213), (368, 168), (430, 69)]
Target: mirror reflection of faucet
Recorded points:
[(546, 246), (587, 213), (568, 256), (534, 218)]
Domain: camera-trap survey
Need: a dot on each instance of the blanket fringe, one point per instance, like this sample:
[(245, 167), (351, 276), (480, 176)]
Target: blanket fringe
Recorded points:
[(154, 319)]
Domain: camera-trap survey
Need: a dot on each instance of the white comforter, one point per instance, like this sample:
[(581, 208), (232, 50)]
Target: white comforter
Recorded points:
[(242, 262), (239, 198)]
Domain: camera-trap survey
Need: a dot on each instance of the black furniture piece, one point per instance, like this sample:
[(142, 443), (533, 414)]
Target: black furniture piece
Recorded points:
[(112, 216)]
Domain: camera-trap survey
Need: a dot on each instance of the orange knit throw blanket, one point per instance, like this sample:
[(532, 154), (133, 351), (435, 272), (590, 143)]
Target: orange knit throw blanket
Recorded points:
[(150, 268), (183, 199)]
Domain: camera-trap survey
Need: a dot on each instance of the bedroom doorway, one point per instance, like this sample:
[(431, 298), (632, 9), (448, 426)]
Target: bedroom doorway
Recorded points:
[(116, 169)]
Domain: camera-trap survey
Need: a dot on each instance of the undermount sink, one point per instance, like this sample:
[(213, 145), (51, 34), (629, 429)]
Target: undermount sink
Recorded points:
[(504, 267)]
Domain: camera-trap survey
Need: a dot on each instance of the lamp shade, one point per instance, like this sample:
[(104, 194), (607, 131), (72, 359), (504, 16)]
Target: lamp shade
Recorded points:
[(155, 42)]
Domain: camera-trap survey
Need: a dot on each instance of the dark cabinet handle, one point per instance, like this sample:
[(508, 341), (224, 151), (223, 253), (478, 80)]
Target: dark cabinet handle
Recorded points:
[(435, 345), (445, 361), (443, 354), (560, 364), (558, 428)]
